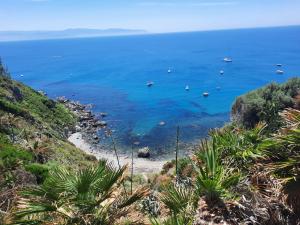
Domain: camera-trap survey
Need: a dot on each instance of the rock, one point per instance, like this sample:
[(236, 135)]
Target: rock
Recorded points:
[(103, 114), (99, 124), (95, 137), (103, 123), (77, 128), (82, 118), (62, 99), (42, 93), (144, 152)]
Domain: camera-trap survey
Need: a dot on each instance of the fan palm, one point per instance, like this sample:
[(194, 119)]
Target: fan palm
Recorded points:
[(181, 201), (240, 146), (89, 196), (173, 220), (213, 177), (287, 162)]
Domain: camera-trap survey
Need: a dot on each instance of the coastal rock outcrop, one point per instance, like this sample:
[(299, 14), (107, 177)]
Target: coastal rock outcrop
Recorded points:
[(144, 152), (88, 123)]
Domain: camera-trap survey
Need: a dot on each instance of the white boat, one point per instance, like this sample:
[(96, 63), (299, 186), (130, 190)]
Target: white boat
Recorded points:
[(162, 123), (279, 71), (169, 70), (187, 88), (149, 83), (21, 75), (205, 94), (226, 59), (221, 72)]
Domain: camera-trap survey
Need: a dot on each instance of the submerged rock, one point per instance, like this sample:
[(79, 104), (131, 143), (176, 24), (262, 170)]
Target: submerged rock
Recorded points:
[(144, 152), (99, 124), (103, 114)]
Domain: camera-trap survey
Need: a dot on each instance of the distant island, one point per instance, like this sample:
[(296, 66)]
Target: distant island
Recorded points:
[(67, 33)]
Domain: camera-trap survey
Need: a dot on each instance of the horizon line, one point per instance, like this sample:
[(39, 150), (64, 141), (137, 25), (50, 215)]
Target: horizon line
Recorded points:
[(152, 32), (141, 34)]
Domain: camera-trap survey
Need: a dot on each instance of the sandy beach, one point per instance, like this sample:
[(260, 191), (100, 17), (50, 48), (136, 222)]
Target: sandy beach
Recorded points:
[(140, 165)]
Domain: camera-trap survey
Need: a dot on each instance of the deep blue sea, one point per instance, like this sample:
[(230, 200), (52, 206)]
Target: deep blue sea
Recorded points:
[(112, 72)]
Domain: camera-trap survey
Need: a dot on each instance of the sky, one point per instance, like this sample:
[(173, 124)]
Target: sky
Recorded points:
[(151, 15)]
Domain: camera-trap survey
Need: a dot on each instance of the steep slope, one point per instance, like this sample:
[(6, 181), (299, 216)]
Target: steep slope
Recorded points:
[(33, 138)]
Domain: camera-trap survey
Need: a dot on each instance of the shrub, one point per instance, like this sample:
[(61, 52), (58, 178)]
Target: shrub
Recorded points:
[(264, 104), (213, 179), (39, 170), (11, 156)]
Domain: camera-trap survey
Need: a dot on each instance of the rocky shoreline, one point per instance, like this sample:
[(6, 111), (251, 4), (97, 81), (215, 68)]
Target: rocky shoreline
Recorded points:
[(85, 137), (88, 123)]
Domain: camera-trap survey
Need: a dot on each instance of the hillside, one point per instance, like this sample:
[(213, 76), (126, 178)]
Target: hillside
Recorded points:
[(33, 132)]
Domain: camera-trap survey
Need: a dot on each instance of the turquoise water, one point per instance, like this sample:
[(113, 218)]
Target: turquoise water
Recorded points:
[(112, 73)]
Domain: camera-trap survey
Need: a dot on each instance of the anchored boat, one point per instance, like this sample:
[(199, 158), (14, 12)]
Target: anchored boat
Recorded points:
[(279, 71), (226, 59), (149, 83)]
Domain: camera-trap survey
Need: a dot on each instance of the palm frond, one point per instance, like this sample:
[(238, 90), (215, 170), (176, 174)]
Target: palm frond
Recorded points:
[(177, 199), (173, 220), (79, 197), (137, 195)]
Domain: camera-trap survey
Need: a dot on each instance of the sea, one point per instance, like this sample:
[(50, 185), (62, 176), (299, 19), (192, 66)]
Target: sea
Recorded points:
[(111, 73)]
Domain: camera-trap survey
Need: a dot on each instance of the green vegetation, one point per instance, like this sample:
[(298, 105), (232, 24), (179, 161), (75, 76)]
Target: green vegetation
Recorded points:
[(213, 179), (241, 176), (36, 109), (12, 156), (89, 196), (265, 103), (40, 171), (36, 123), (32, 139)]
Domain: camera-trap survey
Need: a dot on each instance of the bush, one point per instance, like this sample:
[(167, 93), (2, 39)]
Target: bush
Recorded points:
[(11, 156), (264, 104), (39, 170)]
